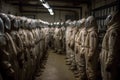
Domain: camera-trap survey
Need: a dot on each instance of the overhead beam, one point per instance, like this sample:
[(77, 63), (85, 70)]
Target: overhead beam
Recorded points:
[(53, 6), (18, 0), (70, 1), (67, 1), (47, 11), (41, 11), (20, 5), (28, 11)]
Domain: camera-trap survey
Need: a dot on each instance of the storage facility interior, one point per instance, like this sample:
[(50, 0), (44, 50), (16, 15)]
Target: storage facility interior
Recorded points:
[(59, 39)]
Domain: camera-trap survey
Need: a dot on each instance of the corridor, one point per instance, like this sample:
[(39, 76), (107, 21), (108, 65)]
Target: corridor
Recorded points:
[(56, 68)]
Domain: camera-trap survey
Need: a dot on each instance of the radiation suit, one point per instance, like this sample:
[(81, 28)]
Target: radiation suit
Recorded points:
[(68, 49), (47, 39), (59, 41), (72, 45), (6, 68), (68, 34), (63, 38), (91, 48), (81, 52), (77, 38), (76, 48), (23, 58), (9, 62), (110, 57), (52, 37), (57, 37), (43, 41), (76, 52)]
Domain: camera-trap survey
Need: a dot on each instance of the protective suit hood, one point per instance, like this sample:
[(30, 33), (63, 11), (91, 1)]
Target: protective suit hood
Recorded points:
[(1, 27), (82, 21), (33, 24), (74, 23), (78, 23), (22, 21), (14, 21), (91, 22), (67, 23), (2, 38), (6, 21), (114, 17)]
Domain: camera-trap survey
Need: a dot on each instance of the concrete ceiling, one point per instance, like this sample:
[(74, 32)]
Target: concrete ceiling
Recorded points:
[(56, 4), (65, 1)]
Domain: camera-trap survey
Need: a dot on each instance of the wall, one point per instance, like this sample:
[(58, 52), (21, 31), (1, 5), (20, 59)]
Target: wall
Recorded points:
[(84, 10), (59, 14), (99, 3), (8, 8)]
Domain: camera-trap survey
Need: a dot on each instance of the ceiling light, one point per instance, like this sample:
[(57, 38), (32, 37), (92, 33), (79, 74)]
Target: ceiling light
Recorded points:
[(52, 13), (50, 10), (46, 5), (43, 1)]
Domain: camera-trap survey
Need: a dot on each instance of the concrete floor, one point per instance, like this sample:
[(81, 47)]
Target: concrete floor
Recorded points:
[(56, 68)]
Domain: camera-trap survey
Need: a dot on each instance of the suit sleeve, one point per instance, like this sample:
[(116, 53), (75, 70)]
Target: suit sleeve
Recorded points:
[(60, 34), (112, 48), (93, 43), (79, 39)]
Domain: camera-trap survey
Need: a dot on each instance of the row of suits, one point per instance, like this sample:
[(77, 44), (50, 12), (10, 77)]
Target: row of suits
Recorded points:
[(23, 44), (82, 49)]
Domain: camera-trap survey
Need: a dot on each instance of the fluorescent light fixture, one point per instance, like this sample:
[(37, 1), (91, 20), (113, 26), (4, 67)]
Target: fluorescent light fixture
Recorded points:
[(46, 5), (50, 10), (58, 23), (52, 13), (55, 23), (43, 1)]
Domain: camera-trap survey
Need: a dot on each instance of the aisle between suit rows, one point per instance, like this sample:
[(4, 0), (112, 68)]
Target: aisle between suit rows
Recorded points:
[(56, 68)]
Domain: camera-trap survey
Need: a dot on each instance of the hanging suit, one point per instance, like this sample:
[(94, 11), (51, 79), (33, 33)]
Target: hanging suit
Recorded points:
[(76, 49), (91, 49), (57, 37), (110, 57), (68, 35), (81, 63), (63, 38), (91, 54), (72, 46)]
